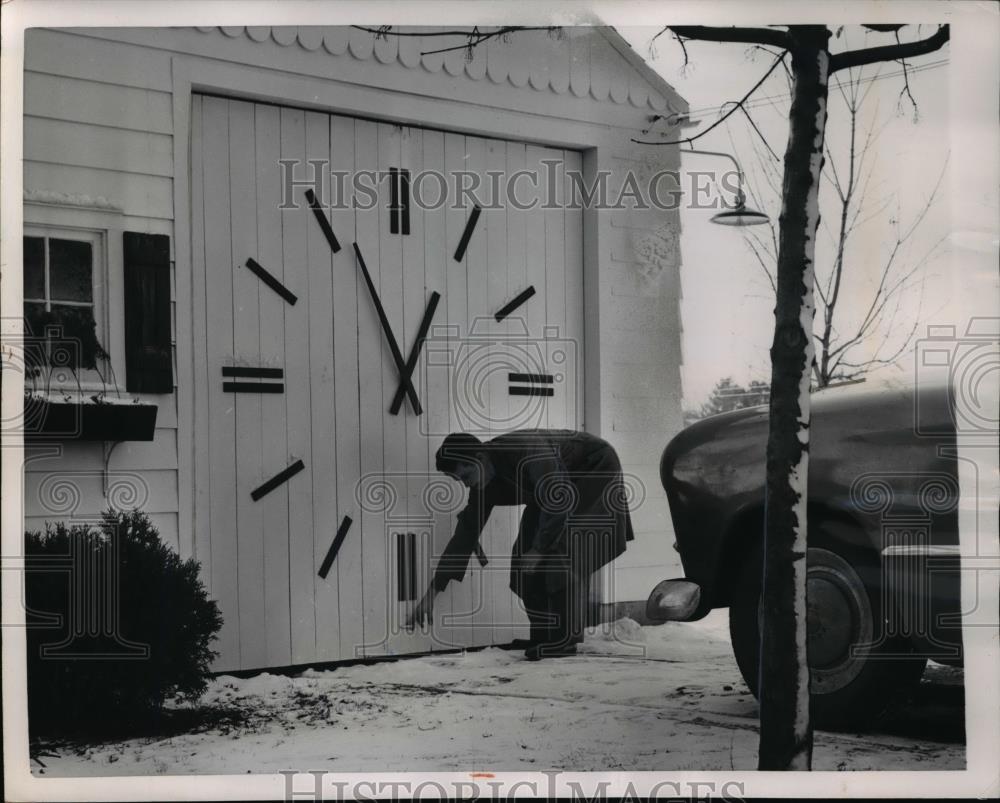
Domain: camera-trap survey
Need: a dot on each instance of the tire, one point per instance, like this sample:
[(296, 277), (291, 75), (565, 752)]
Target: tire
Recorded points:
[(846, 691)]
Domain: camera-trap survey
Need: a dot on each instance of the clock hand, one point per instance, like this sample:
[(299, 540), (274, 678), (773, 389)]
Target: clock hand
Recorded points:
[(470, 226), (324, 224), (512, 305), (276, 480), (331, 553), (271, 281), (411, 362), (393, 347)]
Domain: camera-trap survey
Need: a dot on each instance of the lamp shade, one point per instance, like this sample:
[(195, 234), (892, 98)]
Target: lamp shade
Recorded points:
[(740, 216)]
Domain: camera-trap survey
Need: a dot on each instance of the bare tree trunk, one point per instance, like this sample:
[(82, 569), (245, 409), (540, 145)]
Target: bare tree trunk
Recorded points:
[(785, 732)]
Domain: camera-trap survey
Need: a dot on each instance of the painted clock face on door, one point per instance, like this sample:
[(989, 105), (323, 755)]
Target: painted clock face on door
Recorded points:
[(335, 348)]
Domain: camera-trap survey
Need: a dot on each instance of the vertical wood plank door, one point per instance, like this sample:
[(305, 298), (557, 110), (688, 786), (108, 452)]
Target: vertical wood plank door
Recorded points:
[(295, 377)]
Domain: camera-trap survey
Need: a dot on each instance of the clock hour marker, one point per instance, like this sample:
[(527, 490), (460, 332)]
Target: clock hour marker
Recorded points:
[(393, 200), (271, 281), (263, 490), (253, 387), (389, 336), (251, 372), (411, 363), (324, 224), (481, 556), (514, 303), (406, 567), (404, 191), (470, 225), (399, 200), (536, 385), (331, 553)]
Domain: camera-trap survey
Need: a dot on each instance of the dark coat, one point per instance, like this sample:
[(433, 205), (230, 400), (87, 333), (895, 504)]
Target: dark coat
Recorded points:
[(576, 513)]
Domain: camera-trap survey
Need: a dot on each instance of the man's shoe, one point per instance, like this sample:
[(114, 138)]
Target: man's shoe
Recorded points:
[(539, 651)]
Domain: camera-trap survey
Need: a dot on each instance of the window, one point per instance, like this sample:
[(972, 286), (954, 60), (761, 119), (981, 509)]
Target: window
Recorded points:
[(58, 273), (62, 310)]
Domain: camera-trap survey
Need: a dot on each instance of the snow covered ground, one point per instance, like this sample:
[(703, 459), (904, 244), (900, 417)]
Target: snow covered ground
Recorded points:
[(637, 698)]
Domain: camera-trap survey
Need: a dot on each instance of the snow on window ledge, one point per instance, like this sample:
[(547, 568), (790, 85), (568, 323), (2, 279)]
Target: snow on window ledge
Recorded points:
[(76, 200), (84, 396)]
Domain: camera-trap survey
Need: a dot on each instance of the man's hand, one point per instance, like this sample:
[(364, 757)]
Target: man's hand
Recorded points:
[(424, 612), (530, 560)]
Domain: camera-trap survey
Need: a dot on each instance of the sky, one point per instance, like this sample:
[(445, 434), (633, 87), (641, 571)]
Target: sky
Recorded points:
[(727, 307)]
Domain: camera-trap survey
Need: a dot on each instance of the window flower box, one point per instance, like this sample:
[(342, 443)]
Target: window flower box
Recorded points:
[(56, 416)]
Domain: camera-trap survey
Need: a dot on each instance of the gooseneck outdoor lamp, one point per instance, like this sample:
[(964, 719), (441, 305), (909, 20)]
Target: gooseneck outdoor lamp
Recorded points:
[(741, 214)]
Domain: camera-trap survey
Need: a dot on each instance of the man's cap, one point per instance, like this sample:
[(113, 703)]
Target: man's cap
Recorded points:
[(458, 447)]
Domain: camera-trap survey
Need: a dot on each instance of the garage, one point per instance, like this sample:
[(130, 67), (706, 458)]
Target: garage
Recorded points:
[(289, 457)]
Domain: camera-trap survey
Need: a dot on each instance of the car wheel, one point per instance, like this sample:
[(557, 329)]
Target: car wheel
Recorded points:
[(850, 683)]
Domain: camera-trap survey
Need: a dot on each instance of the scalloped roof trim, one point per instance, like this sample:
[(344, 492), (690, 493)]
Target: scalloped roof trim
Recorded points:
[(584, 65)]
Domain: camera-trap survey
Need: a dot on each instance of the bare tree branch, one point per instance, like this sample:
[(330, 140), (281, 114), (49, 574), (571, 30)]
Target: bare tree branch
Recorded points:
[(753, 36), (765, 264), (652, 43), (684, 50), (726, 116), (478, 39), (834, 178), (884, 28), (474, 36), (773, 54), (870, 55), (386, 30), (856, 220), (760, 134), (852, 178), (905, 91)]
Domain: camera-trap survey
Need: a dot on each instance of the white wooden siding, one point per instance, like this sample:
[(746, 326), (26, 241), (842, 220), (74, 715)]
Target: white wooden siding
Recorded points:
[(78, 99), (222, 433), (201, 481), (348, 567), (322, 386), (455, 629), (372, 522), (89, 135)]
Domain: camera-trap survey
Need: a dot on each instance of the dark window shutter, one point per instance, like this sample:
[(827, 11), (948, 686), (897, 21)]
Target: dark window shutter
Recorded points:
[(148, 363)]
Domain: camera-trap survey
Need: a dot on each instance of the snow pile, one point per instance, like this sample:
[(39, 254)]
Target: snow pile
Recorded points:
[(621, 636), (262, 685), (314, 673)]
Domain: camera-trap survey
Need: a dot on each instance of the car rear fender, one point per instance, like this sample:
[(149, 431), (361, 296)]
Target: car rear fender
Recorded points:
[(745, 534)]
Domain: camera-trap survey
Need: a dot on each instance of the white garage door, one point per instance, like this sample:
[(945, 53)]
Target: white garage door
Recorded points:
[(295, 377)]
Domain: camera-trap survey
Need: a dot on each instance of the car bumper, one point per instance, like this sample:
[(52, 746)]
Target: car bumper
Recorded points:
[(678, 600)]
